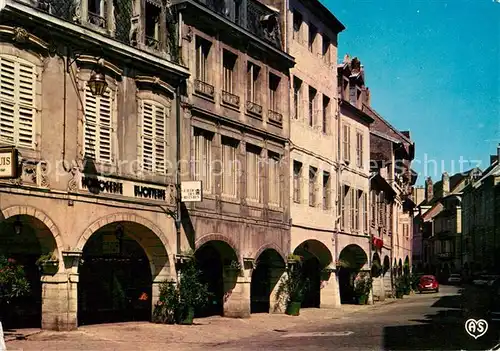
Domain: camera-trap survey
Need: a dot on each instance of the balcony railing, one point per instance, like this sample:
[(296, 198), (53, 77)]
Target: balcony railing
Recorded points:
[(275, 118), (445, 255), (204, 88), (258, 19), (254, 109), (230, 99), (152, 43)]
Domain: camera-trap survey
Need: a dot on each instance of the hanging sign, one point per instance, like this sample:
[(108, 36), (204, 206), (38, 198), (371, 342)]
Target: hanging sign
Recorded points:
[(9, 157), (191, 191)]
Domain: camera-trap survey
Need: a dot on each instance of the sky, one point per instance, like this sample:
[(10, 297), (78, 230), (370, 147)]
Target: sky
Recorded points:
[(433, 68)]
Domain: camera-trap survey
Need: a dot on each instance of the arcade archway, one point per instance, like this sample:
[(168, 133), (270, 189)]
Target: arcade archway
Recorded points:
[(215, 260), (119, 263), (269, 267), (406, 267), (23, 240), (316, 257), (351, 259)]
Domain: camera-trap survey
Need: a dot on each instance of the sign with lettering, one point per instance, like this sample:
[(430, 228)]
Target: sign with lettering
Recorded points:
[(8, 163), (191, 191), (111, 186)]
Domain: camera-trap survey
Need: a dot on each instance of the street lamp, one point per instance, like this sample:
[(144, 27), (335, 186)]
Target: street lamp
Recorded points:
[(97, 83), (18, 226)]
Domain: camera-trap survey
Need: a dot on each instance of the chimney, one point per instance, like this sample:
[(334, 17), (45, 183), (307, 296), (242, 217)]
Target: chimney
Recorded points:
[(429, 190), (445, 180), (495, 158)]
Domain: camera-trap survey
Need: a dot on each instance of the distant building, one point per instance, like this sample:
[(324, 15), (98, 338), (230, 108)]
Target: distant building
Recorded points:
[(481, 221)]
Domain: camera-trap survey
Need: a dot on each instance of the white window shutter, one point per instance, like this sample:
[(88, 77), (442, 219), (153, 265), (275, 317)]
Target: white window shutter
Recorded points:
[(105, 127), (91, 120), (147, 136), (98, 126), (154, 130), (160, 138), (17, 102)]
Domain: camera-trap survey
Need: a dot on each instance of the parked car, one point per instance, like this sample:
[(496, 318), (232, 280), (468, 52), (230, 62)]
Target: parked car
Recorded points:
[(428, 283), (481, 280), (454, 279)]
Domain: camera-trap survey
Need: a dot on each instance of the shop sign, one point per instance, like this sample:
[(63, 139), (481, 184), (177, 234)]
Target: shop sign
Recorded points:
[(191, 191), (9, 163)]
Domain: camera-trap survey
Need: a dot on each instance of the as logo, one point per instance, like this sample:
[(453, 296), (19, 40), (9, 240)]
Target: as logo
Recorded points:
[(476, 329)]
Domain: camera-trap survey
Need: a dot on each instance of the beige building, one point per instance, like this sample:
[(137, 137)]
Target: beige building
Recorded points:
[(97, 192)]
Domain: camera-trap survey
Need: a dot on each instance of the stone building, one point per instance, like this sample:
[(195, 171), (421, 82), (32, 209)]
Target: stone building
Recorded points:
[(480, 240), (391, 204), (90, 105), (441, 222), (310, 33), (236, 128), (352, 239)]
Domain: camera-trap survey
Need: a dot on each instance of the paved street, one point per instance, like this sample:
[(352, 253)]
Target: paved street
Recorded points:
[(419, 322)]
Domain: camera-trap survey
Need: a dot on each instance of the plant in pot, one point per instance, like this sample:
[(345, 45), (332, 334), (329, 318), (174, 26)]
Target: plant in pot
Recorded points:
[(192, 293), (362, 287), (48, 263), (13, 284), (291, 289), (400, 288), (166, 309)]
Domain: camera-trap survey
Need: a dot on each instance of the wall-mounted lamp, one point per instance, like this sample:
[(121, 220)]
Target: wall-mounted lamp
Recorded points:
[(18, 226), (97, 83), (119, 232)]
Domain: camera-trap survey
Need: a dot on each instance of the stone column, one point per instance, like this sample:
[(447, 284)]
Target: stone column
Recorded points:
[(276, 305), (60, 295), (237, 293), (330, 295)]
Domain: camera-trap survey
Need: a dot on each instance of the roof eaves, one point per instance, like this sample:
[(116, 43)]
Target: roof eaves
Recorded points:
[(404, 137)]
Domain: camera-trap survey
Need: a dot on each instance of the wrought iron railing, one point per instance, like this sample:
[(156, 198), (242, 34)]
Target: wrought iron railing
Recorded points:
[(254, 108), (152, 43), (230, 99), (204, 88), (275, 117)]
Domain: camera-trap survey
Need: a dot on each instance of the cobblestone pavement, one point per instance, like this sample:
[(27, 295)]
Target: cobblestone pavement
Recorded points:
[(206, 332)]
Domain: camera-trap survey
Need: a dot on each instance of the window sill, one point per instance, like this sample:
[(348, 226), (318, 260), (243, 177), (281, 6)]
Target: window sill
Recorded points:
[(230, 199), (274, 207), (256, 204)]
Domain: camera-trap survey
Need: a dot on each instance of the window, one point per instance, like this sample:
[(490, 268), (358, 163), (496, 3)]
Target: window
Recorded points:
[(297, 85), (274, 179), (98, 127), (202, 56), (230, 167), (326, 107), (355, 210), (97, 12), (297, 179), (326, 49), (297, 24), (228, 63), (154, 136), (365, 212), (17, 102), (203, 158), (345, 205), (152, 26), (346, 141), (253, 172), (373, 207), (312, 110), (274, 82), (252, 82), (359, 150), (312, 186), (312, 37), (327, 201)]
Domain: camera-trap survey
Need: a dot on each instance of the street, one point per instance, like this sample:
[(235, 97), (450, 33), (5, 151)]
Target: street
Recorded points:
[(418, 322)]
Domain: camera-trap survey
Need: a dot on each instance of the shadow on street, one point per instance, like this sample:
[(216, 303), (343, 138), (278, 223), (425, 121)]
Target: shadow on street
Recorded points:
[(444, 329)]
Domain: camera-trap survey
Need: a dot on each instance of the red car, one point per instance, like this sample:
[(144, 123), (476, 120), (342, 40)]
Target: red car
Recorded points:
[(428, 283)]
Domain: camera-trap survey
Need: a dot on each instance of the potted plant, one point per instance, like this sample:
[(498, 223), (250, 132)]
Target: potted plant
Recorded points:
[(13, 284), (399, 286), (294, 259), (192, 293), (166, 309), (48, 264), (362, 287), (291, 289)]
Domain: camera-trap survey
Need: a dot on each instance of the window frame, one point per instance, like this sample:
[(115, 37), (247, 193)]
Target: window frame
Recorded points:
[(207, 139)]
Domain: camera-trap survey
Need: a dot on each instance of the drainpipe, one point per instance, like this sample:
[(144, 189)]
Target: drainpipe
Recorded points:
[(339, 172), (178, 217)]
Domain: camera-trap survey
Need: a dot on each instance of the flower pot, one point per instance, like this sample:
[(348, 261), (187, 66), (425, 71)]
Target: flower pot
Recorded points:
[(49, 267), (362, 300), (187, 317), (293, 308)]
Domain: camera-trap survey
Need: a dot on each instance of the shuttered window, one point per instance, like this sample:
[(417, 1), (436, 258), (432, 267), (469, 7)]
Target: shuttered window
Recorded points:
[(154, 136), (230, 167), (253, 173), (17, 102), (98, 130), (203, 158), (274, 179)]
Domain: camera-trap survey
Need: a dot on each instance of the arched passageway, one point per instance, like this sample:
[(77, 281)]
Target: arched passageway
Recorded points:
[(269, 267), (116, 274), (216, 260), (400, 267), (23, 240), (406, 267), (387, 265), (351, 259), (316, 257), (377, 269)]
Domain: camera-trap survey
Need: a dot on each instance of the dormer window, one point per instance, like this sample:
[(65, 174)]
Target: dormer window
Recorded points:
[(97, 13), (152, 31)]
